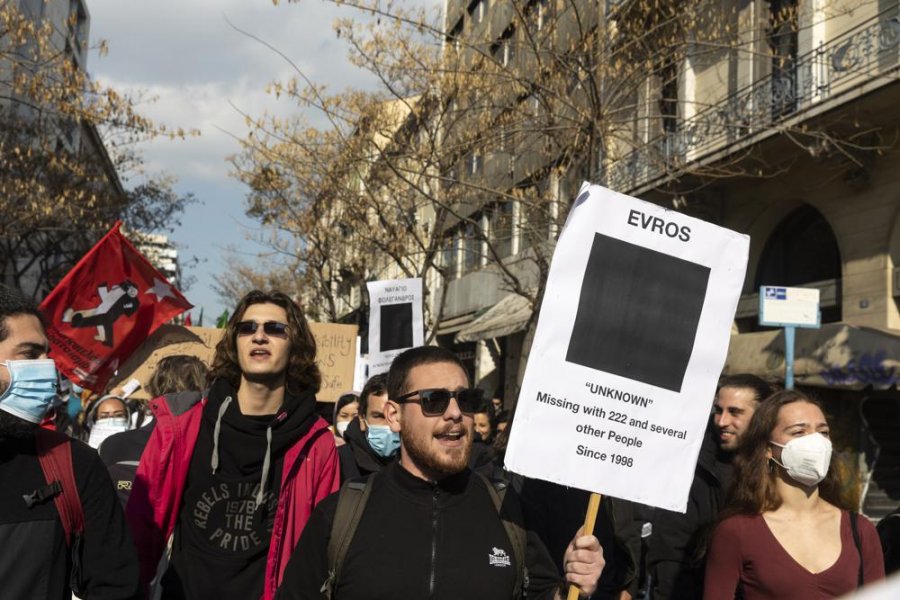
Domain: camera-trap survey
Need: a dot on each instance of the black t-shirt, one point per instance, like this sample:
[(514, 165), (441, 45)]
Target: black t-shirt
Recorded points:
[(222, 539), (221, 536)]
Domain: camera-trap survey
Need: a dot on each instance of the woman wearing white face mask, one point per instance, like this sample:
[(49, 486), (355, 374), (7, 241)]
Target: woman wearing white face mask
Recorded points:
[(787, 530)]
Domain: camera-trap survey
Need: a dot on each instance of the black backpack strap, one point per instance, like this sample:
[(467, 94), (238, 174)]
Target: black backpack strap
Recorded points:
[(854, 528), (514, 530), (350, 507)]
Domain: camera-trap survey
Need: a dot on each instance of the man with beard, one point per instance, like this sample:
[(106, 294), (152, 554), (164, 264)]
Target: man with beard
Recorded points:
[(430, 527), (37, 561), (235, 475), (676, 550)]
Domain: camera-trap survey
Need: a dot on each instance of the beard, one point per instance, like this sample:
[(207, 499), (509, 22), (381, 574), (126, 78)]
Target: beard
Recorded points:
[(14, 428), (443, 461)]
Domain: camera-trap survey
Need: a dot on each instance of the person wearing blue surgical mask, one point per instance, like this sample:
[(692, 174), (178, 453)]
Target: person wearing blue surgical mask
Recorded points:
[(35, 553), (370, 443)]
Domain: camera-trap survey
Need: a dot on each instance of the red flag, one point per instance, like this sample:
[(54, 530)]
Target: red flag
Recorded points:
[(104, 308)]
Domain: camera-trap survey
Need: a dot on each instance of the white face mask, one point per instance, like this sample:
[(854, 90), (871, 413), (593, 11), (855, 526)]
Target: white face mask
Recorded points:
[(104, 428), (342, 427), (806, 459)]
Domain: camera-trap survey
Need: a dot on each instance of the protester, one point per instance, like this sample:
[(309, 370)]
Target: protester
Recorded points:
[(889, 533), (370, 442), (788, 530), (674, 552), (497, 402), (108, 415), (37, 560), (121, 452), (501, 421), (345, 410), (431, 527), (484, 425), (236, 476)]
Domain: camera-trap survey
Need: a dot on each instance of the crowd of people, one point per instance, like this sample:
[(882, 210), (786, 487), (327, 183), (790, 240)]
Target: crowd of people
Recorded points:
[(231, 484)]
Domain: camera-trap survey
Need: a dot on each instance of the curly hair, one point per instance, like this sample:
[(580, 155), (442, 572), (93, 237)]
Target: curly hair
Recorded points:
[(753, 489), (302, 371)]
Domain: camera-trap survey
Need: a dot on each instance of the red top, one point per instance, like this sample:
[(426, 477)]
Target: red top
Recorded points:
[(744, 551)]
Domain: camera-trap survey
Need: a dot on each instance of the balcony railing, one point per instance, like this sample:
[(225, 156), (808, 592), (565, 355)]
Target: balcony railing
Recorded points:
[(868, 51)]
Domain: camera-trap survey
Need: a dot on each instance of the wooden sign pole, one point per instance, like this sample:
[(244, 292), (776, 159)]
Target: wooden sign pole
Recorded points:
[(589, 520)]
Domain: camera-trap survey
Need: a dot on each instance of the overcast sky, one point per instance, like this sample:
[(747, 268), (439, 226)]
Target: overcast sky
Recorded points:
[(186, 54)]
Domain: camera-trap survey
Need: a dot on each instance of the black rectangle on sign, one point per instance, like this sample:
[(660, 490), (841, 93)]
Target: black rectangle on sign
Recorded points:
[(638, 313), (396, 327)]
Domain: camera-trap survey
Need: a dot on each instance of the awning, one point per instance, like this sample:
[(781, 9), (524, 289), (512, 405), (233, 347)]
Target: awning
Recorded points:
[(836, 356), (508, 316), (455, 324)]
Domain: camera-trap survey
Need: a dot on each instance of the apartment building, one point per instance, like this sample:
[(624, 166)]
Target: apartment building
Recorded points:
[(773, 118)]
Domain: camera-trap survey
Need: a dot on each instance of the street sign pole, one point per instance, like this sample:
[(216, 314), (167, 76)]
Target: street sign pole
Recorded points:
[(789, 308), (789, 357)]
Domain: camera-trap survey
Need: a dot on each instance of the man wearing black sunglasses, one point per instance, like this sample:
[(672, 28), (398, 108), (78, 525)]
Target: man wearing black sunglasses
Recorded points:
[(235, 476), (428, 526)]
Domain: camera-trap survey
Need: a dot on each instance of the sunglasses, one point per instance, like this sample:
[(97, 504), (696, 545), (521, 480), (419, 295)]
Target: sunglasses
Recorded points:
[(272, 328), (435, 401)]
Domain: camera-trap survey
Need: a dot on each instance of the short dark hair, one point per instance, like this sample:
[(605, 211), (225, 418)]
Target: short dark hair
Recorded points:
[(14, 303), (178, 373), (375, 386), (302, 372), (761, 389), (415, 357)]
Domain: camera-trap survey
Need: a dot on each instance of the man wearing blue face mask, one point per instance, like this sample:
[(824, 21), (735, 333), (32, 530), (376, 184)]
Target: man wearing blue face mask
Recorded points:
[(37, 560), (371, 445)]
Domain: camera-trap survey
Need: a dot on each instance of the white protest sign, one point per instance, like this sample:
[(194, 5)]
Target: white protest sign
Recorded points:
[(395, 320), (631, 340)]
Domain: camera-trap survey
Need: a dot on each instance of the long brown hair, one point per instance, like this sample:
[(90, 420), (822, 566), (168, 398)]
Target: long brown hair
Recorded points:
[(302, 371), (753, 487)]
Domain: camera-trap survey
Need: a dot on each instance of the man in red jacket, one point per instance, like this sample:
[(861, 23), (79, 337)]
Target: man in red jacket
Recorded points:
[(235, 475)]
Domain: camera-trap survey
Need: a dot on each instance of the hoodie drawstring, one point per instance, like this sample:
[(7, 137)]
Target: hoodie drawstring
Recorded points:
[(260, 495), (218, 428)]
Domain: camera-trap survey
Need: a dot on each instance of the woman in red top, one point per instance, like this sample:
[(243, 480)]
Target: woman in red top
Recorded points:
[(787, 530)]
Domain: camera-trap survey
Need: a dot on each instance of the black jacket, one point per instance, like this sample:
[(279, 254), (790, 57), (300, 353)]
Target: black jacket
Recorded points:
[(357, 457), (418, 539), (555, 513), (121, 453), (675, 553), (35, 562)]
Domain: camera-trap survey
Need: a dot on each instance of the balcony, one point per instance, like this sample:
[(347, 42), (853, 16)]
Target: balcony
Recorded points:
[(861, 59)]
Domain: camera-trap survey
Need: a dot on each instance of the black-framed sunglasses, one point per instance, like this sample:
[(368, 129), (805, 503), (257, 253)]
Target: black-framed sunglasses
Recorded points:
[(271, 328), (435, 401)]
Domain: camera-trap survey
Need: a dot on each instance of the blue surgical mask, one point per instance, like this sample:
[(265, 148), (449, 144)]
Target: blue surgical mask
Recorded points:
[(32, 388), (383, 441)]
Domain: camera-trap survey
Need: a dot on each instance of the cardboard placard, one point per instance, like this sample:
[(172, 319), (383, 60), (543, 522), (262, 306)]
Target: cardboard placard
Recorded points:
[(335, 344)]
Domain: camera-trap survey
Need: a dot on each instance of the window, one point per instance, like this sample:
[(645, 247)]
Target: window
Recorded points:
[(476, 164), (800, 251), (471, 245), (504, 49), (502, 228), (478, 10), (668, 97), (541, 13), (449, 258)]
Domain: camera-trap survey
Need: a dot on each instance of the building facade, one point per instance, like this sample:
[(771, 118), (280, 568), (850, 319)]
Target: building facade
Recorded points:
[(778, 120)]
